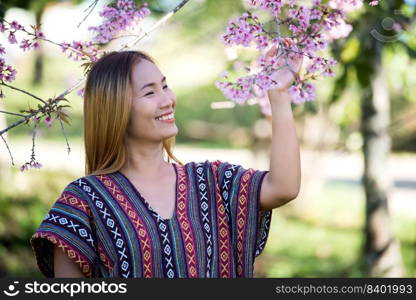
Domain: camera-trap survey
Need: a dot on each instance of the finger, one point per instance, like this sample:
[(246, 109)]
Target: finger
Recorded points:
[(269, 50), (298, 63), (281, 62), (272, 51), (288, 42), (285, 42)]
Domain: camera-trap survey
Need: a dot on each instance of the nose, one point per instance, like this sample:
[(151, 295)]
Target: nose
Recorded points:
[(168, 99)]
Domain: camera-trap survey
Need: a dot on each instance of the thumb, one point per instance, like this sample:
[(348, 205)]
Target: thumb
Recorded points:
[(272, 51)]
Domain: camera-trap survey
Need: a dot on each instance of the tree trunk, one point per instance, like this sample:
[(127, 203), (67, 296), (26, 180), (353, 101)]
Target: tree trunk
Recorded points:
[(382, 257)]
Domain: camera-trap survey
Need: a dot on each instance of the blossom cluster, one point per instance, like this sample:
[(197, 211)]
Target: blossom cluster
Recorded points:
[(26, 44), (118, 16), (32, 164), (122, 16), (81, 50), (310, 28), (7, 72)]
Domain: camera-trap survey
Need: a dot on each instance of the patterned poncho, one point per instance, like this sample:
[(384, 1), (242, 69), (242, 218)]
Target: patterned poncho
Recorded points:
[(108, 229)]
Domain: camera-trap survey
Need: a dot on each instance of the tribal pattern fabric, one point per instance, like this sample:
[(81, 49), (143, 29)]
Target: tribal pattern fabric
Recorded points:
[(108, 229)]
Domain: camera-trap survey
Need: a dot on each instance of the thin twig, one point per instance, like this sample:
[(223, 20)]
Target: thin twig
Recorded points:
[(18, 122), (179, 6), (13, 114), (10, 153), (68, 47), (33, 142), (92, 6), (157, 24), (23, 91), (63, 132)]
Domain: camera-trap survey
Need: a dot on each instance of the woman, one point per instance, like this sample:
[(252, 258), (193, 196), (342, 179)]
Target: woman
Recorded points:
[(135, 214)]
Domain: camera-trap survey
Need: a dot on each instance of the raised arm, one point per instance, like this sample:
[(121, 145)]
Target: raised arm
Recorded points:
[(282, 183)]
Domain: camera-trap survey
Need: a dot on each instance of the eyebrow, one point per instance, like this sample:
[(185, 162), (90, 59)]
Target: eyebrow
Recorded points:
[(153, 83)]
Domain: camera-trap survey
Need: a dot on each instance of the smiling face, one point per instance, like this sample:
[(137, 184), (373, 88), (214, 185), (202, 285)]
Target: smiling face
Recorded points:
[(152, 98)]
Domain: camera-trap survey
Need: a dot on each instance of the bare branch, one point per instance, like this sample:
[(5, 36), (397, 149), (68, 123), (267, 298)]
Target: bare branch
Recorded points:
[(179, 6), (32, 157), (18, 122), (156, 25), (8, 149), (13, 114), (91, 7), (23, 91), (63, 132)]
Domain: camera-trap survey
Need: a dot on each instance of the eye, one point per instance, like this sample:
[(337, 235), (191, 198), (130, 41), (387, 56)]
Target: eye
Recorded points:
[(165, 87), (149, 93)]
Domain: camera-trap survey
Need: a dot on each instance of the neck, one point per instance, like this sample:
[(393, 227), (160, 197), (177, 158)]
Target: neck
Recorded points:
[(144, 161)]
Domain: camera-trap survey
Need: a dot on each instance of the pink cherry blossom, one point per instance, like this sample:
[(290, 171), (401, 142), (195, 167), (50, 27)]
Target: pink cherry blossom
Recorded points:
[(12, 38), (311, 28), (48, 121), (118, 18)]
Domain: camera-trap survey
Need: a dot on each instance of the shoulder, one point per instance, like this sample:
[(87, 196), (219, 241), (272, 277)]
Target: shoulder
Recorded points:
[(82, 183), (80, 189), (77, 184)]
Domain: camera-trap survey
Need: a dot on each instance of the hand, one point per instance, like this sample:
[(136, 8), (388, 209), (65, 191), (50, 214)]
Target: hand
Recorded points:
[(285, 76)]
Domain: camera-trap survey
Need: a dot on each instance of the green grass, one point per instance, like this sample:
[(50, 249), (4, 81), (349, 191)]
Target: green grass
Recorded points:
[(302, 250), (318, 244), (298, 249)]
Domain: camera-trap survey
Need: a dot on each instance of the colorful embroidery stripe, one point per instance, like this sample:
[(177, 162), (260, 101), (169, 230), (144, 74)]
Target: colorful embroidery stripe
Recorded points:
[(186, 229), (145, 243)]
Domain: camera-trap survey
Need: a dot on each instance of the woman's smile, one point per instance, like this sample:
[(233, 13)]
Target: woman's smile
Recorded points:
[(168, 118)]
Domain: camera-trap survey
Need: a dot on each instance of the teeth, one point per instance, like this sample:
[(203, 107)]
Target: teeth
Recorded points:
[(167, 117)]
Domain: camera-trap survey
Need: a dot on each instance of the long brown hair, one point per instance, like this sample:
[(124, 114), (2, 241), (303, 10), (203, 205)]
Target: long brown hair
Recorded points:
[(107, 105)]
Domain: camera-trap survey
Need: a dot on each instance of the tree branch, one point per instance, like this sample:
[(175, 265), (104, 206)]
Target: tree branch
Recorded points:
[(18, 122), (13, 114), (8, 149), (91, 8), (160, 22), (23, 91), (63, 132)]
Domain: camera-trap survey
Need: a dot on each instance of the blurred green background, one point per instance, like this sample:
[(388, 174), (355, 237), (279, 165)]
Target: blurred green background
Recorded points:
[(319, 234)]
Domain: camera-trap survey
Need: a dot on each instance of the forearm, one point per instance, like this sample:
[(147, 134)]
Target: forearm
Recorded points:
[(285, 170)]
